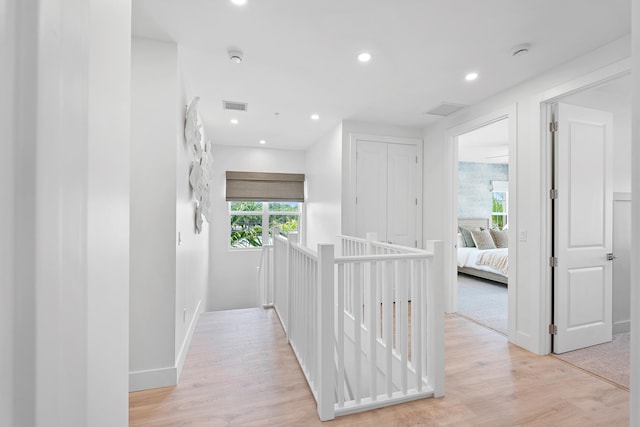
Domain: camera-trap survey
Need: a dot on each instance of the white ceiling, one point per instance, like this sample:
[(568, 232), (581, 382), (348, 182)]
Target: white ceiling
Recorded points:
[(488, 144), (300, 56)]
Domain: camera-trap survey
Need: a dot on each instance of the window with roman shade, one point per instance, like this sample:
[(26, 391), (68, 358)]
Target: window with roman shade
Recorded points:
[(263, 186), (259, 202)]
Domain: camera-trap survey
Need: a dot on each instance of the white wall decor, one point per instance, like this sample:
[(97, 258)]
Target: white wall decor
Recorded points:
[(201, 169)]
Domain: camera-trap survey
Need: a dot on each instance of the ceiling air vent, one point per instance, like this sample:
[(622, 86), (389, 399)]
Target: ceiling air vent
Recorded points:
[(445, 109), (234, 106)]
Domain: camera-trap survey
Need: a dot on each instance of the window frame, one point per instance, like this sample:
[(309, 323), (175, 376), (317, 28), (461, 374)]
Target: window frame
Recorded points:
[(266, 214), (505, 207)]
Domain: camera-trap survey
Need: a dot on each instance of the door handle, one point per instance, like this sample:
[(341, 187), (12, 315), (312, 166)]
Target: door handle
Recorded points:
[(610, 256)]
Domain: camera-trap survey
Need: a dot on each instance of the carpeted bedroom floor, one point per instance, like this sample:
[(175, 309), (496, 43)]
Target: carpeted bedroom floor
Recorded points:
[(485, 303)]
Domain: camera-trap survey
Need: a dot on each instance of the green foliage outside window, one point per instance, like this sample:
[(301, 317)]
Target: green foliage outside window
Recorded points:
[(248, 219), (498, 210)]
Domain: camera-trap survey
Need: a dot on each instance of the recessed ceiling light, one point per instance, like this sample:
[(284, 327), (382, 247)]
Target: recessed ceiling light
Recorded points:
[(262, 141), (234, 121), (471, 76), (239, 2), (364, 57), (315, 117), (521, 49)]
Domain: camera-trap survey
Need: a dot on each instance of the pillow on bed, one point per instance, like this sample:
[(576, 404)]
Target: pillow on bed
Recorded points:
[(466, 236), (461, 243), (483, 239), (500, 238)]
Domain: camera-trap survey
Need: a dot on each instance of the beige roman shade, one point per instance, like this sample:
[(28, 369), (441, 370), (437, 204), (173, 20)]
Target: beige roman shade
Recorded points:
[(265, 187)]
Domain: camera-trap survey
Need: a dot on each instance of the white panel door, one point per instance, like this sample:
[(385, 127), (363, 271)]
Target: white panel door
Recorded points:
[(371, 188), (386, 191), (583, 228), (401, 194)]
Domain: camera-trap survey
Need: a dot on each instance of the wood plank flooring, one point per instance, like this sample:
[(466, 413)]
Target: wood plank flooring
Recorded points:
[(241, 372)]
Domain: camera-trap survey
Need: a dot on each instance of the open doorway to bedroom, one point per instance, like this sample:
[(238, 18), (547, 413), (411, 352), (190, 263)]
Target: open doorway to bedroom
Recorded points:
[(482, 225)]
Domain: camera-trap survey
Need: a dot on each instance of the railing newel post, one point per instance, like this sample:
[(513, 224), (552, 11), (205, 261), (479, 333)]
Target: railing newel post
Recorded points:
[(435, 313), (326, 379)]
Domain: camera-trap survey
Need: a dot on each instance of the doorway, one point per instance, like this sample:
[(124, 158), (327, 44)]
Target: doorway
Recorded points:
[(590, 317), (482, 224), (505, 119)]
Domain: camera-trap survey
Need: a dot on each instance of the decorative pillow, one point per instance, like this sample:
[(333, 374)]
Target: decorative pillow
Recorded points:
[(466, 236), (461, 243), (483, 239), (500, 238)]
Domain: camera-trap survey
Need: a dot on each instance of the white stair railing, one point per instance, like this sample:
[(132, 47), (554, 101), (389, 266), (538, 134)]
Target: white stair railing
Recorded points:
[(368, 327), (265, 277)]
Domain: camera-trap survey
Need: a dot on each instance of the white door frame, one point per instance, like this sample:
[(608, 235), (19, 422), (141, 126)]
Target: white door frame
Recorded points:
[(450, 255), (542, 109)]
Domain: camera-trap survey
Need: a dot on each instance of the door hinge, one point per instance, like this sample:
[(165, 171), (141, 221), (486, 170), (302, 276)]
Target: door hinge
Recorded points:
[(553, 261), (356, 200), (416, 201), (553, 127), (553, 330), (553, 194)]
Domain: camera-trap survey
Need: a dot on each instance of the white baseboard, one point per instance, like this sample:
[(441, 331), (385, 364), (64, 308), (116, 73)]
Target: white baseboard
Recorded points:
[(154, 378), (622, 326), (184, 349), (163, 377)]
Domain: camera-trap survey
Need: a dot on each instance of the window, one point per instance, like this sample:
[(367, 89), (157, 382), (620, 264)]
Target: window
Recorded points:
[(251, 223), (499, 204)]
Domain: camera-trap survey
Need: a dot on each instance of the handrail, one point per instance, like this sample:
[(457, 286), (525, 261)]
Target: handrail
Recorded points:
[(382, 257)]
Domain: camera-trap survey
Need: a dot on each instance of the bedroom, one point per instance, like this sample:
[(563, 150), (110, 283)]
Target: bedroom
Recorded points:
[(482, 224)]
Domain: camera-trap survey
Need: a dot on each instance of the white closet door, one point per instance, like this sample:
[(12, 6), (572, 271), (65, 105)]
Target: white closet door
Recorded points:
[(371, 188), (401, 194), (583, 228)]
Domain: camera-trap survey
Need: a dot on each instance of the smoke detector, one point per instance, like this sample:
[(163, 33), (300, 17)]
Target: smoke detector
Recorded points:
[(235, 55)]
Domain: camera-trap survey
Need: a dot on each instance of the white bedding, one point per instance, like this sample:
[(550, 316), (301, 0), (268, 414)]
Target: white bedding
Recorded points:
[(467, 257)]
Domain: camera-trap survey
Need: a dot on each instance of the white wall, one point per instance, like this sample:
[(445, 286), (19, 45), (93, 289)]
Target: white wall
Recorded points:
[(168, 280), (108, 214), (153, 213), (634, 406), (324, 189), (233, 272), (12, 123), (192, 253), (68, 132), (531, 293)]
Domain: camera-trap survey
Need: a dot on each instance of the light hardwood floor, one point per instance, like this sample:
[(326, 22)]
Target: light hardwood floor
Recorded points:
[(241, 372)]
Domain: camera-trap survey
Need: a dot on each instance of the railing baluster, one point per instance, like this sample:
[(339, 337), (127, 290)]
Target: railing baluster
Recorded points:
[(397, 317), (387, 310), (340, 333), (357, 314), (404, 329), (373, 333), (416, 323)]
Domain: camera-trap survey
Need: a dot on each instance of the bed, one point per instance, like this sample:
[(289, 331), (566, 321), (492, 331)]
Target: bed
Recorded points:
[(491, 264)]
